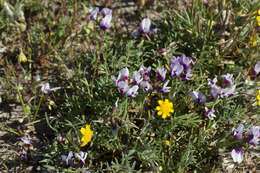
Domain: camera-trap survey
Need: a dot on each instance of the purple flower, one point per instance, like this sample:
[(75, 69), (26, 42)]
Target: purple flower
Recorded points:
[(187, 75), (145, 26), (137, 77), (67, 159), (81, 156), (238, 132), (205, 2), (254, 135), (133, 91), (209, 113), (215, 90), (228, 79), (212, 82), (23, 154), (161, 73), (106, 22), (146, 86), (181, 67), (257, 68), (26, 140), (185, 61), (165, 88), (93, 13), (106, 11), (176, 68), (145, 72), (237, 155), (198, 97), (227, 90), (46, 89), (123, 75), (122, 87)]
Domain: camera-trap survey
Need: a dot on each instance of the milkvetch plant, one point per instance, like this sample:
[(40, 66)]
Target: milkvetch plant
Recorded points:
[(183, 95)]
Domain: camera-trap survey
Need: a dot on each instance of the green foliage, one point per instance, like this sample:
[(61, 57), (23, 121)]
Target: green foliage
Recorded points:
[(69, 51)]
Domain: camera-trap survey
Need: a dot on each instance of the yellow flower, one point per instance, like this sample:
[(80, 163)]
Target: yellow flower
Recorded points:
[(87, 135), (21, 57), (258, 97), (167, 142), (51, 104), (258, 20), (165, 108), (258, 11), (253, 40)]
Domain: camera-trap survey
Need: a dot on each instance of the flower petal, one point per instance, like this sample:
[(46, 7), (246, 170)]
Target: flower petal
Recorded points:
[(82, 130)]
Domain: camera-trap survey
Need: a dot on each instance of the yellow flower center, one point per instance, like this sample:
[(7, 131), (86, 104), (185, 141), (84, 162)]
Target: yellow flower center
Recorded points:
[(165, 108)]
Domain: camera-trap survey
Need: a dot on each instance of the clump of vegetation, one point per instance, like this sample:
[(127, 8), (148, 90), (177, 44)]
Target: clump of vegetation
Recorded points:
[(132, 86)]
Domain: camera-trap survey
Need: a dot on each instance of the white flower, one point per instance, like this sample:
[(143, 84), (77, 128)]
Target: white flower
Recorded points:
[(238, 132), (123, 75), (254, 135), (133, 91), (46, 89), (26, 140), (137, 77), (237, 155), (165, 88), (122, 87), (145, 25), (210, 113), (81, 156), (106, 22)]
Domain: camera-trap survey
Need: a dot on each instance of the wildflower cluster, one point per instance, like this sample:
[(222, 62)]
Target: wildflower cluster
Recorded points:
[(199, 98), (180, 67), (252, 136), (226, 89), (139, 80), (150, 116), (222, 89)]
